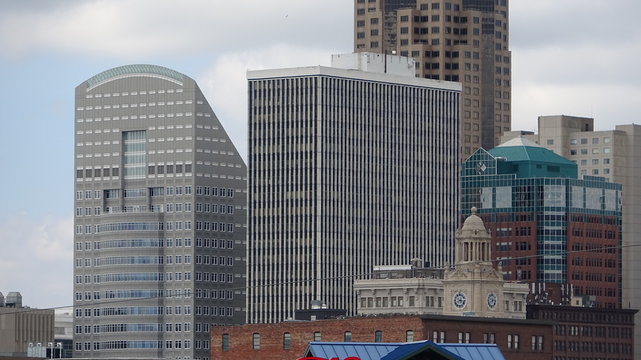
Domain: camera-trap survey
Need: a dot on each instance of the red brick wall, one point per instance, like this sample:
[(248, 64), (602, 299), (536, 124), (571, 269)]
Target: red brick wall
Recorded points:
[(393, 327)]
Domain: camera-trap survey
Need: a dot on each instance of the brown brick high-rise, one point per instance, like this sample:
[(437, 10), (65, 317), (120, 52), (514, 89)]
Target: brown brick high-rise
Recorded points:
[(454, 40)]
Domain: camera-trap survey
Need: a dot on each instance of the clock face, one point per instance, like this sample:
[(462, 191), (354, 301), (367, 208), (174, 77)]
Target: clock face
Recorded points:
[(459, 300), (491, 300)]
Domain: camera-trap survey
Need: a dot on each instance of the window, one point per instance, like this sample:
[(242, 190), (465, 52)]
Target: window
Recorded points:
[(378, 336), (438, 336), (409, 336), (287, 341), (317, 336), (347, 337), (134, 154), (537, 343), (550, 141), (513, 341), (489, 338), (464, 337), (256, 341)]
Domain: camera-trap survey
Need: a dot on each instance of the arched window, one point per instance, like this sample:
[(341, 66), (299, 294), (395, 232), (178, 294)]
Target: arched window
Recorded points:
[(378, 336), (287, 341), (409, 336), (225, 342), (348, 336)]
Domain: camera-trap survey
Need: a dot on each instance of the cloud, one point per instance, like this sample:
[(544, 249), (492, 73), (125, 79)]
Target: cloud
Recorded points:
[(130, 29), (36, 259), (577, 58), (225, 81), (581, 64), (544, 23), (609, 105)]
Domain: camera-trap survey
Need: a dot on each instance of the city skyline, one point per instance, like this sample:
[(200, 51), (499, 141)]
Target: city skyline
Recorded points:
[(49, 48)]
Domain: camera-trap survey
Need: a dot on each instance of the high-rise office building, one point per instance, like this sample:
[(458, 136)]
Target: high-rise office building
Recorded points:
[(548, 225), (457, 40), (347, 169), (160, 219), (615, 155)]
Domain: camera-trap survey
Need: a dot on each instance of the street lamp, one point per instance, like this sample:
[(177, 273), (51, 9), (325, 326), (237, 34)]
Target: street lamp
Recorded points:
[(59, 346), (50, 345)]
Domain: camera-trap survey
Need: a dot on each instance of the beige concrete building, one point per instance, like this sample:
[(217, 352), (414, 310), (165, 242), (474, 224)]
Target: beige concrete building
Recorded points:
[(21, 326), (615, 155), (472, 287), (453, 40)]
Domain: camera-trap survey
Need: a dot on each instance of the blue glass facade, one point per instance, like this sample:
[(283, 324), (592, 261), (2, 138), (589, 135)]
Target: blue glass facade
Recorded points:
[(547, 225)]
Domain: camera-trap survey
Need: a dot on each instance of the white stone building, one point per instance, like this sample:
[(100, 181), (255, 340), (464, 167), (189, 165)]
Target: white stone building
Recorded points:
[(470, 287)]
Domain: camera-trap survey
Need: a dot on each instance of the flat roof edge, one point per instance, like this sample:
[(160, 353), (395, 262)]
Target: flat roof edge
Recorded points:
[(352, 74)]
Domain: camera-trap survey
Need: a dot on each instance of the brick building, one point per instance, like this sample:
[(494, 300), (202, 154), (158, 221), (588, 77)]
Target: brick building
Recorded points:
[(588, 333), (517, 339)]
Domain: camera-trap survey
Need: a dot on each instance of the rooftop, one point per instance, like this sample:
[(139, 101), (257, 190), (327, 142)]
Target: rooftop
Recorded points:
[(522, 149), (134, 69), (401, 351)]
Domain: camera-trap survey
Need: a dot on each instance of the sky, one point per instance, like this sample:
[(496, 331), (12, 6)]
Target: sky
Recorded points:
[(573, 57)]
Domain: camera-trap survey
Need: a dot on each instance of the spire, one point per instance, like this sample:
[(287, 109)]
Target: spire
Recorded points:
[(473, 241)]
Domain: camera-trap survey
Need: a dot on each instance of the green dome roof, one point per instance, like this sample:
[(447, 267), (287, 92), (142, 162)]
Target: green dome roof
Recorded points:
[(521, 149)]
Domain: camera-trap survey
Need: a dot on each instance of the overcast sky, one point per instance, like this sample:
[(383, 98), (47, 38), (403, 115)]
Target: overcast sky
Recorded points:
[(576, 57)]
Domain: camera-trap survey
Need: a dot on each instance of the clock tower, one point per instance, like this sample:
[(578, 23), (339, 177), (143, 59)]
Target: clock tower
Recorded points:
[(472, 286)]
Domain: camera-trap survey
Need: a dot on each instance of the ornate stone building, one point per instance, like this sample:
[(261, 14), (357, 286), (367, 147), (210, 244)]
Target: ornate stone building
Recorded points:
[(472, 286)]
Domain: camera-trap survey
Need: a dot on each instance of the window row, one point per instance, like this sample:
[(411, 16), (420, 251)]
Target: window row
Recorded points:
[(116, 328), (127, 311), (134, 93), (214, 260), (593, 347), (140, 226), (159, 208), (211, 277), (316, 336), (134, 344), (215, 191), (135, 243), (221, 277), (595, 151), (214, 226), (133, 310), (215, 243), (584, 141), (133, 277), (213, 310), (398, 301)]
